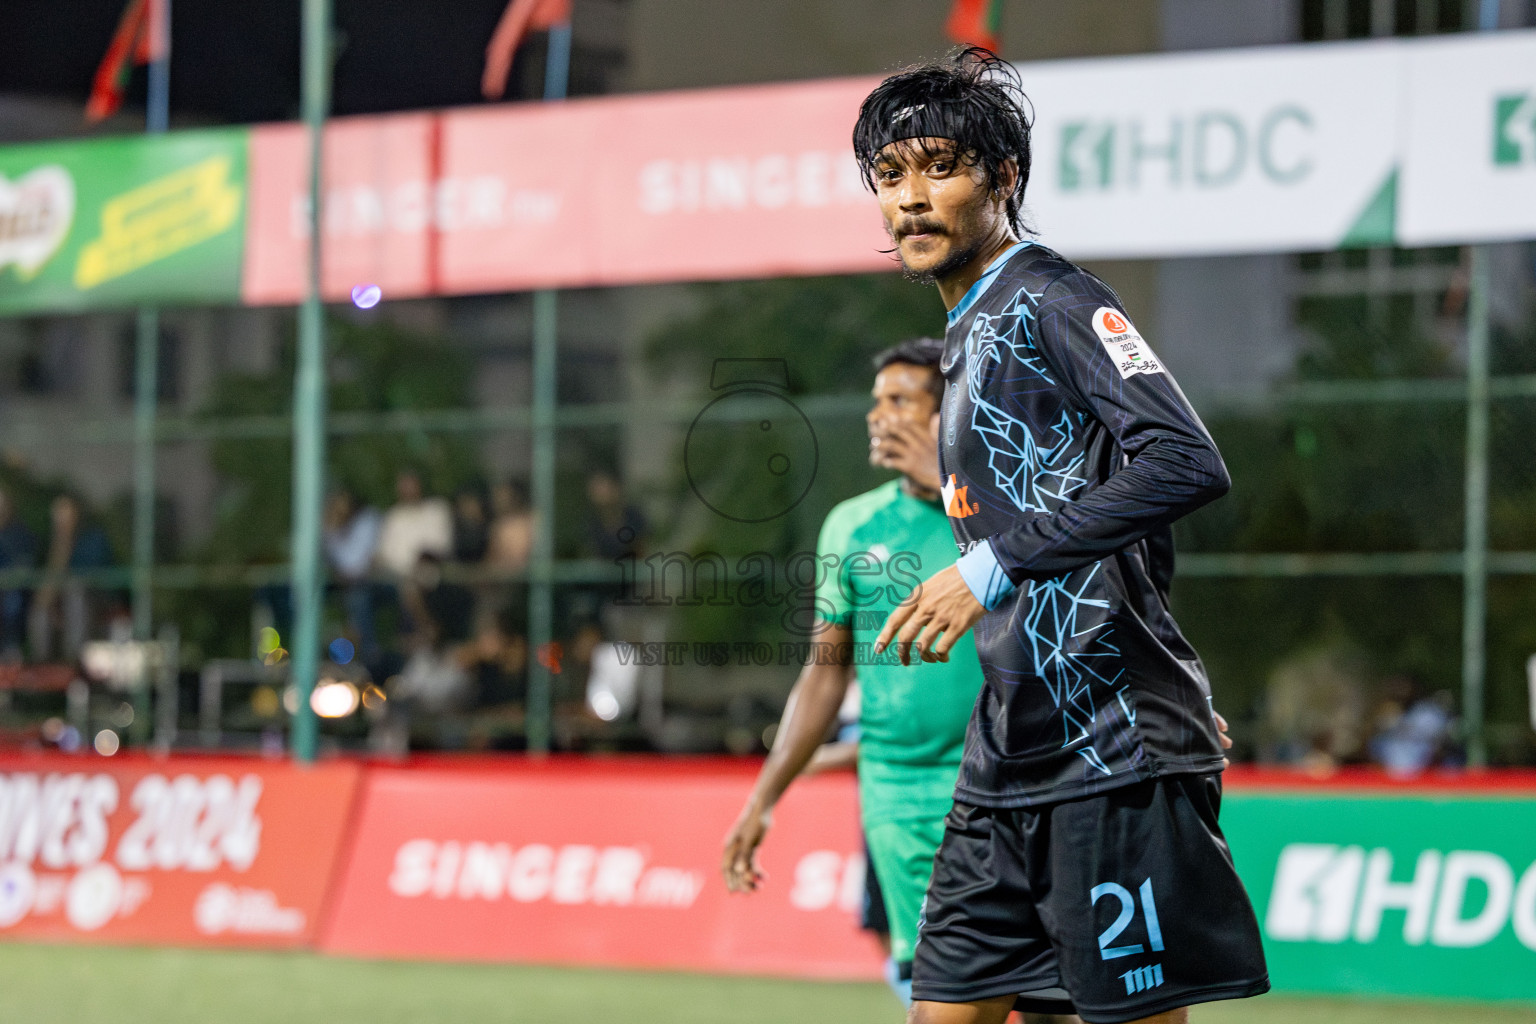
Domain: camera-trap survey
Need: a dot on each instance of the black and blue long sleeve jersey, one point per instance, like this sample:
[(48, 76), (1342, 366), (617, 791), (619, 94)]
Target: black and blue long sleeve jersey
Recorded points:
[(1067, 451)]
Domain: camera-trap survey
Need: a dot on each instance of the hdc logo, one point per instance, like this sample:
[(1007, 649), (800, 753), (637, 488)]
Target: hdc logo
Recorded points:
[(1211, 149), (1327, 893), (1514, 130)]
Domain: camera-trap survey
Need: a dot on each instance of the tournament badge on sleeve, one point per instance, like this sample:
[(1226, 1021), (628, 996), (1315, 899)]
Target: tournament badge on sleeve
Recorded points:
[(1131, 354)]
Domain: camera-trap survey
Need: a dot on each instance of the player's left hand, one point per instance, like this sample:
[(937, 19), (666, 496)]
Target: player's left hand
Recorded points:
[(1221, 731), (932, 618)]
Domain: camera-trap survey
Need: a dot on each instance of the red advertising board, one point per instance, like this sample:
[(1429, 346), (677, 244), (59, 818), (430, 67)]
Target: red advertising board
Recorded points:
[(203, 851), (755, 181), (377, 205), (605, 865)]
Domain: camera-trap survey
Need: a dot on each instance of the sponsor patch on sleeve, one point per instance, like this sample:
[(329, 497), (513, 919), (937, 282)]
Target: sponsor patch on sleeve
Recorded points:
[(1130, 354)]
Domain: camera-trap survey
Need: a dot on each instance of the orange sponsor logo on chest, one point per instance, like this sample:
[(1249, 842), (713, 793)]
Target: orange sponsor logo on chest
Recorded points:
[(956, 505)]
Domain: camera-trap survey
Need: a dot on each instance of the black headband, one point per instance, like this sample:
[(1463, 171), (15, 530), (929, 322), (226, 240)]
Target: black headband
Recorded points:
[(930, 120)]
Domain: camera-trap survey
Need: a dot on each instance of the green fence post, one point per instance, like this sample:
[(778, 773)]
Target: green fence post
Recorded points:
[(546, 441), (309, 398), (146, 387), (1474, 606), (541, 562), (145, 399), (1474, 594)]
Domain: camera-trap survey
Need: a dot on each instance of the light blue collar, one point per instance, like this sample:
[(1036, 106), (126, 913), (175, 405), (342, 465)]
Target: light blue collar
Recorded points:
[(982, 283)]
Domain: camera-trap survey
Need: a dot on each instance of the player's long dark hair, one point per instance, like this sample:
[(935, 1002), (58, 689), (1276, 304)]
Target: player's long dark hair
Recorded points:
[(992, 127)]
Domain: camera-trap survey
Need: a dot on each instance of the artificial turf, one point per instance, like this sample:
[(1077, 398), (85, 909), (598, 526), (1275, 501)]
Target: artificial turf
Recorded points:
[(45, 984)]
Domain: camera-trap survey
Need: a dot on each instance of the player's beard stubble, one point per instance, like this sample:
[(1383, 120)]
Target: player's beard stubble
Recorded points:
[(961, 253)]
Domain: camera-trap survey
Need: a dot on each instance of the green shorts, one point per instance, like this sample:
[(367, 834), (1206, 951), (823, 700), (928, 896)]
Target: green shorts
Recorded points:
[(901, 854)]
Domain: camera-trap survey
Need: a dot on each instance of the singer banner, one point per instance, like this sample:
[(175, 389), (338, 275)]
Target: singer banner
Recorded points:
[(612, 864)]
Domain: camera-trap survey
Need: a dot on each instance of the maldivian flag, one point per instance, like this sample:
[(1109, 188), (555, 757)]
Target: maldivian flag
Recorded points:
[(975, 23), (520, 17), (143, 36)]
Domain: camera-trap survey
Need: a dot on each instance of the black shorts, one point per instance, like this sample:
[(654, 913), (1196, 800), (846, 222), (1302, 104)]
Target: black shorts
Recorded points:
[(1118, 906)]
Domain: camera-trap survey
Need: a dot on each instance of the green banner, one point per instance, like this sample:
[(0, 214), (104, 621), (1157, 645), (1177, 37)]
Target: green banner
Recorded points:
[(122, 221), (1421, 895)]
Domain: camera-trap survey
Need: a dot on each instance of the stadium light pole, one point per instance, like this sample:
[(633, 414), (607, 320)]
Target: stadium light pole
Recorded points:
[(546, 439), (309, 397), (1474, 595), (146, 388)]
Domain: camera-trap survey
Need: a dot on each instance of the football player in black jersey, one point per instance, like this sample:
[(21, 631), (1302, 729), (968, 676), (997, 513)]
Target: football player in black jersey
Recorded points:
[(1082, 867)]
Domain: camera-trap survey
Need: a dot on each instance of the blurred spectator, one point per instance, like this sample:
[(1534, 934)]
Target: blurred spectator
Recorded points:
[(496, 661), (615, 528), (18, 550), (432, 683), (62, 605), (441, 612), (414, 526), (1413, 731), (1316, 709), (511, 538), (351, 542), (471, 525)]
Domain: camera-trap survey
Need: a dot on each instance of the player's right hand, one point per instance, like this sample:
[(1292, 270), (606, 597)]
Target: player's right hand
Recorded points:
[(738, 862), (908, 447)]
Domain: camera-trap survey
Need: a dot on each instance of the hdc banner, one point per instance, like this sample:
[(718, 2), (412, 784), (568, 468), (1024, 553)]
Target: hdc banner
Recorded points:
[(188, 851), (1469, 161), (607, 865), (112, 222), (1396, 892), (1271, 149)]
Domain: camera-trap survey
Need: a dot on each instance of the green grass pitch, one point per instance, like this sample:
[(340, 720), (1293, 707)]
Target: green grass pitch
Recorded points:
[(95, 985)]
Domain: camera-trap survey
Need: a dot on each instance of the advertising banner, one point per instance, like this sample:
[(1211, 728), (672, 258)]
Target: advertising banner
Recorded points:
[(233, 852), (615, 864), (724, 183), (706, 185), (1392, 893), (1469, 169), (1271, 149), (378, 207), (1262, 150), (119, 221)]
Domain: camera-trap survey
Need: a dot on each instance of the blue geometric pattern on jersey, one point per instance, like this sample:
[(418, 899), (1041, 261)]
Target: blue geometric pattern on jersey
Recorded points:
[(1060, 617), (1038, 474), (1074, 473)]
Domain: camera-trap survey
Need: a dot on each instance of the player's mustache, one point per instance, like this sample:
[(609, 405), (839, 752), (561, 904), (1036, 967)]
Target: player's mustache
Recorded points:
[(919, 226)]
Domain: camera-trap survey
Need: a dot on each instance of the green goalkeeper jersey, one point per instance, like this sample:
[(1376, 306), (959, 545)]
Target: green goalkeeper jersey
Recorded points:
[(876, 548)]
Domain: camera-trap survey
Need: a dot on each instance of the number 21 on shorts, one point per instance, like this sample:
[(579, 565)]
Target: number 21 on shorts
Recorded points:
[(1127, 912)]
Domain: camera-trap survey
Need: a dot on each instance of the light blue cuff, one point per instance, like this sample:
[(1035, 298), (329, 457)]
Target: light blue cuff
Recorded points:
[(979, 568)]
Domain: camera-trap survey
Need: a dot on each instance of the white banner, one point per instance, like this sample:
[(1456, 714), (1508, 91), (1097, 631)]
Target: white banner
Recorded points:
[(1469, 167), (1269, 149)]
